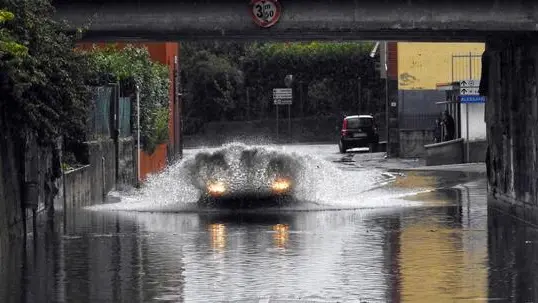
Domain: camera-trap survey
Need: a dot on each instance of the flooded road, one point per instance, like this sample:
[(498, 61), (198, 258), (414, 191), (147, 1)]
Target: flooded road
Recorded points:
[(413, 237)]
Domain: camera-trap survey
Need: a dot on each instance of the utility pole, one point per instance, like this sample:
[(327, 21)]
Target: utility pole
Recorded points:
[(387, 106), (359, 95)]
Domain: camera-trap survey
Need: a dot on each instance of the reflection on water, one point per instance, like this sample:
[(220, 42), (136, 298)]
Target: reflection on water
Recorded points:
[(218, 236), (442, 252), (513, 262), (281, 235)]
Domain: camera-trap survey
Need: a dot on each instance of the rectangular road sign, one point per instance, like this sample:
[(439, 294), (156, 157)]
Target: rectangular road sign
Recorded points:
[(470, 83), (469, 91), (472, 99), (282, 93), (282, 96), (282, 102), (469, 87)]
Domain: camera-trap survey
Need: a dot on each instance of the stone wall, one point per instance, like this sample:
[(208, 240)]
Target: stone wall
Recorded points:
[(509, 82), (412, 142)]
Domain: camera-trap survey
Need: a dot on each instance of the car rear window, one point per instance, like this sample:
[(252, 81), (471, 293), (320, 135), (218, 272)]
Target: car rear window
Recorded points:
[(359, 122)]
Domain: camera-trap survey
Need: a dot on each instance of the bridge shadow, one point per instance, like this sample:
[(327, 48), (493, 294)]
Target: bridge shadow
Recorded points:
[(513, 251)]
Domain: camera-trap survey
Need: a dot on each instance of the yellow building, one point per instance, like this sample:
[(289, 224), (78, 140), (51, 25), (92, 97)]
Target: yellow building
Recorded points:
[(421, 67)]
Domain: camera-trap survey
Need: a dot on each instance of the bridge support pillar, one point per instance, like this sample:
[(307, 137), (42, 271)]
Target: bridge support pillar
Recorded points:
[(509, 80)]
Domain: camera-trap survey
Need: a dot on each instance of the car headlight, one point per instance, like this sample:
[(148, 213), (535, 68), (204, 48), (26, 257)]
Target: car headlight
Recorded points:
[(216, 188), (281, 185)]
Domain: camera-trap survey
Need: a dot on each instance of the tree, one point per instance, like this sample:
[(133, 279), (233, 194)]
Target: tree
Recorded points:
[(213, 85), (45, 91), (8, 46), (216, 76)]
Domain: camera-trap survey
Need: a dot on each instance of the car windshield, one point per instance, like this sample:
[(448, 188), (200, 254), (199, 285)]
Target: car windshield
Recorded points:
[(359, 122)]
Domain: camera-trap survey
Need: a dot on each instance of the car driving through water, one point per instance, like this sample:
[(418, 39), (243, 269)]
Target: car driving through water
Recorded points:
[(247, 180)]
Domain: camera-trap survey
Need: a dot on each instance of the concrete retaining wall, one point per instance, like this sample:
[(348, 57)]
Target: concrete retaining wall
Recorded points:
[(412, 142), (88, 185), (512, 115), (127, 163), (24, 161), (449, 152), (10, 191), (477, 151), (102, 171), (78, 187)]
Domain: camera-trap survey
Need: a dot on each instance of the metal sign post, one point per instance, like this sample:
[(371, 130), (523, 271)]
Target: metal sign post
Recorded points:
[(139, 153), (289, 121), (467, 108), (468, 89), (469, 94), (277, 134), (282, 96)]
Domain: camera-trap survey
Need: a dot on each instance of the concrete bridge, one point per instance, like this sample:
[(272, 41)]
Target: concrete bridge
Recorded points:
[(456, 20), (510, 63)]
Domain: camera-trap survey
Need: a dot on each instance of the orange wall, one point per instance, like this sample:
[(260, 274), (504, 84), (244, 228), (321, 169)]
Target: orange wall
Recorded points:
[(163, 53), (153, 163)]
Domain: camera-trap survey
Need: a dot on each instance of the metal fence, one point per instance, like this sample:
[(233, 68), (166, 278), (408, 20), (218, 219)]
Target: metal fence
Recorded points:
[(124, 117), (100, 117), (418, 121), (466, 66), (102, 120)]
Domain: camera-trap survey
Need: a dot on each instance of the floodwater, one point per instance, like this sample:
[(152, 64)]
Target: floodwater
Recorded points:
[(414, 237)]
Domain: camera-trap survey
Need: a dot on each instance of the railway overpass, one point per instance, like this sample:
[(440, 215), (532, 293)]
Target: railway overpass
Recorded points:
[(424, 20), (510, 63)]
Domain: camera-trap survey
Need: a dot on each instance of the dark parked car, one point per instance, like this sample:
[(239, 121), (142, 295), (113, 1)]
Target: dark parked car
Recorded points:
[(358, 131)]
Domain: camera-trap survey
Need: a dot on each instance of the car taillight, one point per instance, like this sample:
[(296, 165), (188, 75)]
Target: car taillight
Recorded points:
[(344, 128)]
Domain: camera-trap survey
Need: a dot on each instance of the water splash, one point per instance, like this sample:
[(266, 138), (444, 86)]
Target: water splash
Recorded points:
[(318, 183)]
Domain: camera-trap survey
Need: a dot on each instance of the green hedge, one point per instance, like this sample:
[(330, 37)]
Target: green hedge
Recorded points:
[(327, 74)]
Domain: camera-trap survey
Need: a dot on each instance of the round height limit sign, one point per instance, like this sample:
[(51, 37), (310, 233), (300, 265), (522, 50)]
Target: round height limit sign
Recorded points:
[(265, 13)]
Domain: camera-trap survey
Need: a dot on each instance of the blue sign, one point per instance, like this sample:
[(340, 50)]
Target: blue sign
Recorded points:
[(472, 99)]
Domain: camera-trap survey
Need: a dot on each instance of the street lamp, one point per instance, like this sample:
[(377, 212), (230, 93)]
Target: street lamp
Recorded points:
[(288, 80), (374, 50)]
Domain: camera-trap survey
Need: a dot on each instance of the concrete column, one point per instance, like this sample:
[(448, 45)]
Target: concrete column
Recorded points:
[(512, 119)]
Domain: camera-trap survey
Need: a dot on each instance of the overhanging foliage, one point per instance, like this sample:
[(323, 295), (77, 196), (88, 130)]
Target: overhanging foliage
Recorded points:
[(44, 81), (134, 64)]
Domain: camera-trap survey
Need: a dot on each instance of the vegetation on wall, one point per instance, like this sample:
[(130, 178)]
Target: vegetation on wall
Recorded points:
[(329, 75), (133, 66)]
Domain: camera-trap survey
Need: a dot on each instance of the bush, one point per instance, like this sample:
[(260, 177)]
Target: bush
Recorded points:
[(133, 66)]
